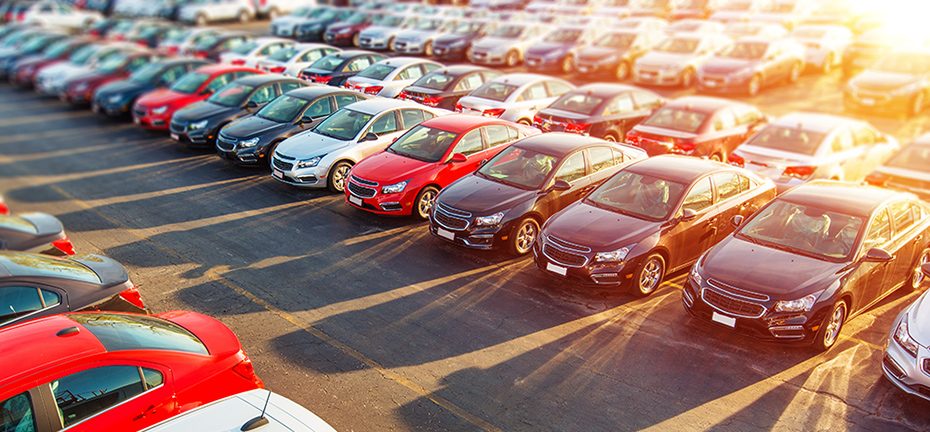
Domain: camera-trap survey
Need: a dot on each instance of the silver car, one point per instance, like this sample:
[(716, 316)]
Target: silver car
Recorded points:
[(388, 77), (907, 353), (419, 39), (322, 156), (675, 60), (823, 44), (291, 60), (800, 147), (507, 44), (514, 97), (381, 36)]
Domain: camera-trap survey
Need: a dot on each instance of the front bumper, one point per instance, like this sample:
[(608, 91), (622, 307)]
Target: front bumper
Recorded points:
[(579, 266), (144, 118), (83, 97), (722, 83), (870, 100), (284, 171), (309, 35), (659, 77), (910, 374), (459, 229), (338, 38), (492, 58), (372, 42), (368, 197), (408, 47), (228, 148), (283, 30), (544, 63), (112, 109), (192, 138), (594, 68), (449, 52)]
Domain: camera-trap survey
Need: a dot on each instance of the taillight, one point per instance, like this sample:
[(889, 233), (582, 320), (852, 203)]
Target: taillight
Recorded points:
[(94, 32), (493, 112), (578, 128), (119, 37), (321, 79), (432, 100), (133, 296), (737, 160), (21, 16), (245, 370), (682, 147), (142, 43), (238, 62), (874, 179), (799, 172), (174, 49), (277, 69), (632, 138), (537, 120), (64, 245), (458, 107), (200, 54), (3, 208), (374, 90)]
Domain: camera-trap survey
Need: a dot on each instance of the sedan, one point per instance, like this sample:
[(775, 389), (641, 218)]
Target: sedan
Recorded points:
[(346, 32), (52, 80), (211, 46), (738, 10), (786, 13), (291, 59), (312, 28), (248, 54), (602, 110), (654, 217), (117, 98), (48, 13), (406, 177), (35, 46), (381, 35), (34, 286), (749, 64), (286, 25), (25, 71), (420, 38), (698, 126), (692, 25), (323, 156), (456, 44), (845, 247), (738, 30), (80, 89), (805, 146), (615, 52), (907, 170), (504, 203), (335, 68), (507, 44), (899, 82), (34, 232), (871, 46), (676, 60), (514, 97), (555, 51), (905, 362), (388, 77), (823, 44), (443, 88), (110, 371)]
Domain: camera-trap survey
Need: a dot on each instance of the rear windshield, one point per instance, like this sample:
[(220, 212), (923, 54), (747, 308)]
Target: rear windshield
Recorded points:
[(435, 81), (328, 63), (676, 119), (378, 71), (36, 265), (577, 103), (284, 54), (133, 332), (494, 91), (788, 139)]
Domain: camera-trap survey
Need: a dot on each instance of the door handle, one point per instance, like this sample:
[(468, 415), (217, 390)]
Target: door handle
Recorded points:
[(918, 238), (148, 411)]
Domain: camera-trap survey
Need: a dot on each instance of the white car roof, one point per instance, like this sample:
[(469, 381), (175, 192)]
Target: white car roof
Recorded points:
[(404, 61), (520, 78), (378, 105)]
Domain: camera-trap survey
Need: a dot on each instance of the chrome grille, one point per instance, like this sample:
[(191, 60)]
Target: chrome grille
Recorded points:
[(364, 182), (225, 143), (730, 305), (563, 257), (451, 218), (736, 292), (361, 191), (281, 165), (568, 245), (452, 211)]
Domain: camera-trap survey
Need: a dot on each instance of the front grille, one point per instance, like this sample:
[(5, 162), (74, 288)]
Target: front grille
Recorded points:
[(564, 257), (452, 211), (562, 244), (892, 367), (730, 305), (450, 217), (361, 191), (225, 143), (364, 182), (177, 128), (736, 292), (281, 165)]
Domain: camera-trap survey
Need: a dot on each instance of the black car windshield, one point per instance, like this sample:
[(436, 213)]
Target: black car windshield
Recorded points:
[(904, 63), (788, 139), (328, 63), (231, 95), (83, 54), (616, 40), (284, 54), (577, 103), (509, 31), (113, 63), (190, 82), (327, 15), (283, 109), (56, 49), (147, 73), (737, 6), (121, 332), (804, 229), (344, 124), (678, 45), (914, 157), (494, 91), (744, 50), (376, 71), (638, 195), (677, 119), (515, 166), (435, 81), (245, 48), (563, 36), (423, 143)]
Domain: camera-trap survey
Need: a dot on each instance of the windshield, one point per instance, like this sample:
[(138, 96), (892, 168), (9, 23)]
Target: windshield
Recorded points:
[(177, 36), (804, 230), (284, 54), (494, 91), (118, 332), (112, 63), (206, 41), (737, 6), (509, 31), (190, 82), (423, 143), (83, 54), (435, 81), (678, 45), (577, 103), (376, 71), (677, 119), (616, 40), (232, 95), (519, 167), (147, 73), (430, 24), (23, 264), (910, 63), (637, 195), (467, 28), (245, 47), (283, 109), (788, 139), (914, 157), (328, 63), (563, 36), (744, 50), (34, 45), (57, 49), (344, 124), (808, 33)]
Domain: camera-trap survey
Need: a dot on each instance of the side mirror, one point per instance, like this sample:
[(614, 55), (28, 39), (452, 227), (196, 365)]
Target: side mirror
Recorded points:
[(206, 92), (251, 104), (458, 157), (736, 220), (560, 185), (687, 214), (878, 255), (305, 120), (370, 136), (925, 269)]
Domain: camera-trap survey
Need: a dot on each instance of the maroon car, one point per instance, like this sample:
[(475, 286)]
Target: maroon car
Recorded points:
[(25, 71), (698, 126), (346, 32), (80, 90)]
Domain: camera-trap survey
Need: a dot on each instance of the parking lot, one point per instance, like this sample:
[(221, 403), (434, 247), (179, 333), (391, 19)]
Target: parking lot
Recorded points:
[(375, 325)]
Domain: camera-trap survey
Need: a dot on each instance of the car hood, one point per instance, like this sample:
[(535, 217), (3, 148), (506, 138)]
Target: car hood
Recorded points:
[(546, 48), (479, 195), (727, 65), (162, 97), (309, 144), (882, 81), (204, 110), (664, 59), (389, 168), (761, 269), (918, 320), (490, 42), (109, 271), (600, 229), (250, 126)]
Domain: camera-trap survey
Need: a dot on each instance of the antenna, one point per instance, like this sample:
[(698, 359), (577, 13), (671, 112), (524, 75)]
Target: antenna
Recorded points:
[(259, 421)]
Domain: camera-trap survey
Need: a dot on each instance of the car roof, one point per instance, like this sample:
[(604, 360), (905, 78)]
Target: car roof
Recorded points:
[(679, 169), (814, 122), (460, 69), (259, 79), (458, 123), (181, 60), (22, 341), (559, 143), (521, 78), (354, 53), (213, 69), (269, 39), (843, 197), (315, 91), (375, 106), (704, 104)]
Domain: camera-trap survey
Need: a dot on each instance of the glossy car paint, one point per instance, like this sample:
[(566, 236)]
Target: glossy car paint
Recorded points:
[(117, 98), (350, 63), (906, 170), (621, 108), (34, 232)]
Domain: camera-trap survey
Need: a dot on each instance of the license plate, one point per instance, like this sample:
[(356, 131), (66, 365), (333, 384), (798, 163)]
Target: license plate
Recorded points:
[(448, 235), (277, 174), (556, 269), (136, 120), (355, 200), (723, 319), (868, 101), (532, 63), (583, 69), (710, 83), (175, 137), (648, 75)]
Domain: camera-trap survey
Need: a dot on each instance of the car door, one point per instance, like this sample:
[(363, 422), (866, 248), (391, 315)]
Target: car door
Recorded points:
[(904, 244), (529, 102), (472, 145), (387, 126), (719, 138), (869, 275), (686, 240), (260, 97), (23, 301), (619, 115), (573, 169), (733, 198)]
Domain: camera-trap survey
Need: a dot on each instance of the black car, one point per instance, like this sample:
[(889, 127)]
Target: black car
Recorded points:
[(211, 46), (197, 125), (254, 137), (442, 88), (34, 47), (810, 260), (313, 28), (33, 286), (34, 232), (654, 217), (602, 110), (336, 68), (455, 45), (153, 35), (116, 99), (508, 198)]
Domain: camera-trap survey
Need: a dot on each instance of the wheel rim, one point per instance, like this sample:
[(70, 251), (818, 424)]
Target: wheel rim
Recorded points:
[(754, 86), (339, 177), (426, 203), (623, 70), (610, 138), (833, 327), (391, 44), (355, 40), (525, 238), (918, 273), (686, 78), (918, 104), (650, 276), (716, 158), (512, 59), (567, 64)]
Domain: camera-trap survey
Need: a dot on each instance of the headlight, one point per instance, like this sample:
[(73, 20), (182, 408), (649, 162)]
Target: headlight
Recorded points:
[(345, 31), (309, 163), (696, 276), (494, 219), (115, 98), (394, 188), (616, 256), (80, 87), (198, 125), (160, 110), (802, 304), (903, 337), (908, 89), (249, 142)]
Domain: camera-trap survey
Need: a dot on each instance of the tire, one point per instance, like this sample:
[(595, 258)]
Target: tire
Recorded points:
[(424, 202), (612, 137), (201, 20), (568, 65), (336, 180), (523, 236), (795, 73), (917, 104), (243, 16), (623, 71), (512, 59), (390, 44), (830, 328), (428, 49), (755, 84), (270, 153), (649, 275), (917, 278), (687, 77), (355, 39), (827, 65)]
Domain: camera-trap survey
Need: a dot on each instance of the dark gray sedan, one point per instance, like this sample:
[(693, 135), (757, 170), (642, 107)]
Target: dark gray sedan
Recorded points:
[(34, 232)]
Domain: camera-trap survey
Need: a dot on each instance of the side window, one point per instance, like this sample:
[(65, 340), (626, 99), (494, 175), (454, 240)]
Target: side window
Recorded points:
[(879, 231), (358, 64), (842, 141), (744, 183), (646, 100), (903, 216), (411, 117), (497, 135), (320, 108), (557, 89), (469, 144), (312, 56), (536, 91), (412, 72), (603, 158), (219, 82), (263, 94), (172, 74), (572, 169), (700, 197), (231, 44), (288, 86), (387, 123), (343, 100), (728, 185), (84, 394), (470, 82), (620, 105), (725, 120), (16, 301), (16, 414)]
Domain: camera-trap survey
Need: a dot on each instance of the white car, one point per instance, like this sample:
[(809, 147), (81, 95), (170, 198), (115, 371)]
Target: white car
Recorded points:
[(615, 8), (737, 30), (249, 53), (507, 44), (291, 59), (275, 8), (800, 147), (786, 13), (823, 44), (419, 39), (323, 156), (203, 12), (381, 36), (52, 80), (905, 361), (247, 408), (514, 97), (57, 14), (676, 60), (641, 24), (388, 77)]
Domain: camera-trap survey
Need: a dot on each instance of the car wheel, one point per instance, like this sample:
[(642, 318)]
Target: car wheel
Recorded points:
[(201, 20), (623, 71), (687, 77), (525, 122), (468, 53), (428, 49), (917, 104), (830, 328), (424, 202), (337, 177), (795, 73), (270, 153), (827, 65), (716, 157), (755, 83), (568, 65), (390, 44), (355, 38), (523, 236), (649, 275), (513, 58), (612, 137), (918, 276), (244, 16)]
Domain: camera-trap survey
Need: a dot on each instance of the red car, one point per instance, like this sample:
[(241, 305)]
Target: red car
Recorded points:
[(80, 90), (25, 71), (405, 178), (4, 209), (116, 372), (153, 110), (698, 126)]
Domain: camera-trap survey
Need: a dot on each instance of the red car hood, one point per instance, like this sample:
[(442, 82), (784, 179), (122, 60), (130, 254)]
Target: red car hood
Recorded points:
[(160, 97), (389, 168)]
